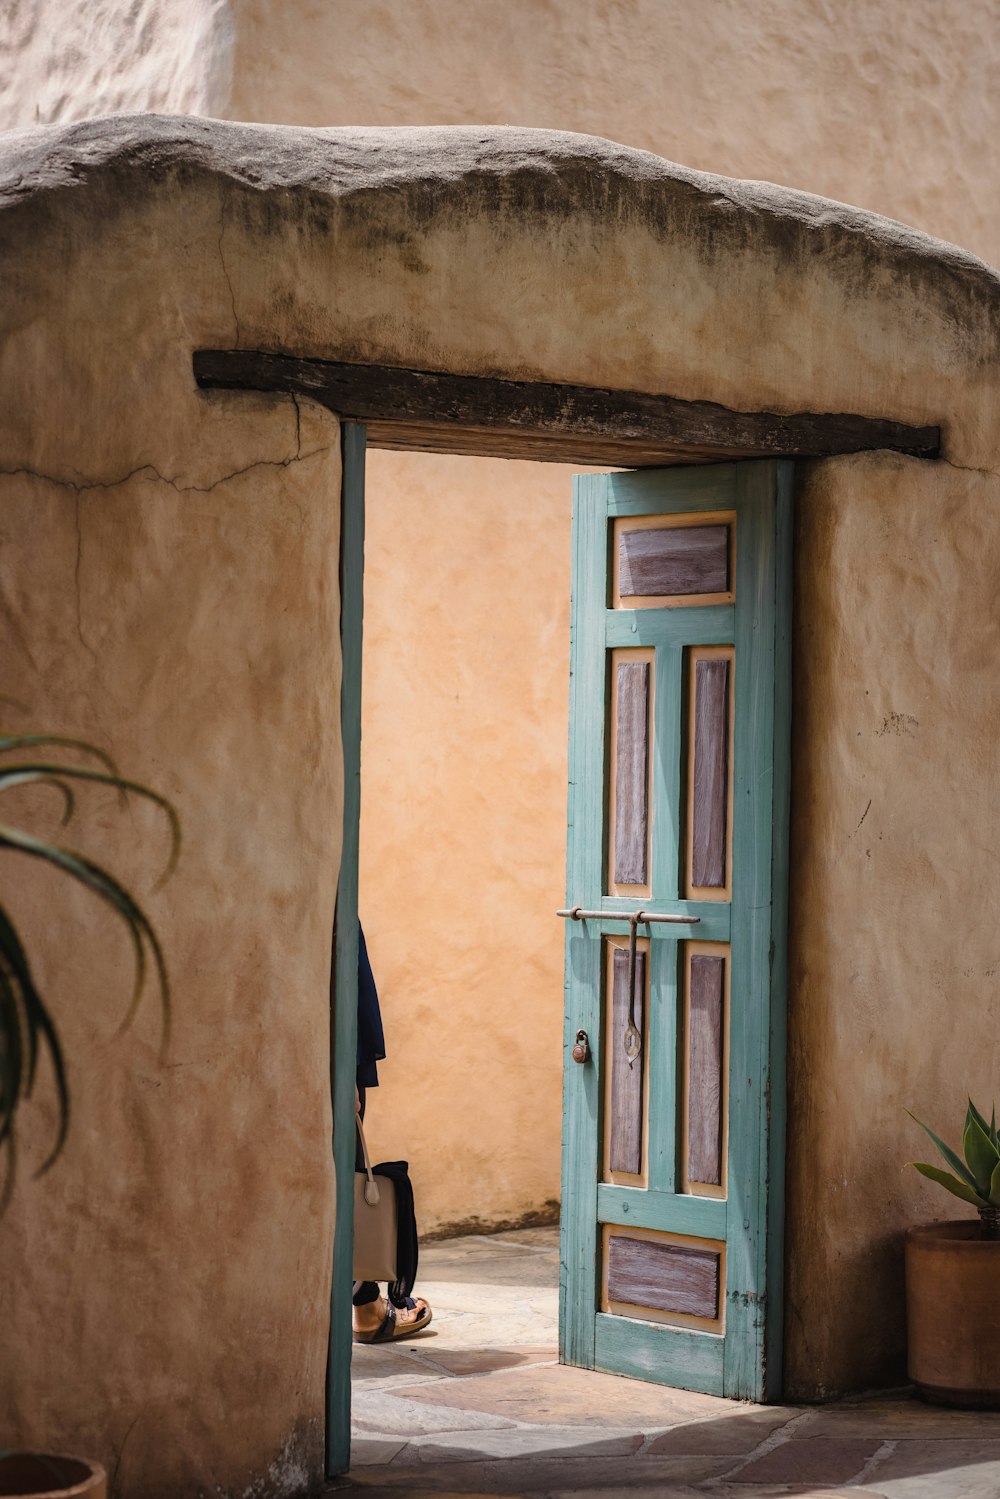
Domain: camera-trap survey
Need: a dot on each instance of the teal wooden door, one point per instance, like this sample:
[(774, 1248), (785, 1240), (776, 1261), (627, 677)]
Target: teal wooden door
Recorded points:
[(673, 1125)]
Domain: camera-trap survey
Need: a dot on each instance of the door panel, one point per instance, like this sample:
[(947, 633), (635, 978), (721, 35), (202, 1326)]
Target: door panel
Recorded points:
[(673, 1158)]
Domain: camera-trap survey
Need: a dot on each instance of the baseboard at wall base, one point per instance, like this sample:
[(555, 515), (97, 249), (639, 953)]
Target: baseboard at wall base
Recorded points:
[(541, 1217)]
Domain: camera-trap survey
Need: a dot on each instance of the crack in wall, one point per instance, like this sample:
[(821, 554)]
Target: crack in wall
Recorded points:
[(225, 270), (25, 471), (968, 468), (298, 424), (81, 489), (76, 577)]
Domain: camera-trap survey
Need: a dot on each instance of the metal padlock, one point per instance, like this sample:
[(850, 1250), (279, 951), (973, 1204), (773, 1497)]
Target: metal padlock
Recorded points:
[(581, 1050)]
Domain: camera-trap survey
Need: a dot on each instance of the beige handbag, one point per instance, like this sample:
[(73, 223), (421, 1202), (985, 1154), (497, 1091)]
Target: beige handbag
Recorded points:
[(374, 1221)]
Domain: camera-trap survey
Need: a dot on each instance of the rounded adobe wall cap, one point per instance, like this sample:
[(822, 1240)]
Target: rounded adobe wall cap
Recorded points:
[(503, 252), (548, 172)]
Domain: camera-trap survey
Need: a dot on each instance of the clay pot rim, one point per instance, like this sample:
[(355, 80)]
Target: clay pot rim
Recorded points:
[(95, 1470), (959, 1234)]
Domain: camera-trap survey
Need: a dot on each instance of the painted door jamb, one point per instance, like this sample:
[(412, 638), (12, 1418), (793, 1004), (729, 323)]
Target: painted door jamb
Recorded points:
[(344, 986)]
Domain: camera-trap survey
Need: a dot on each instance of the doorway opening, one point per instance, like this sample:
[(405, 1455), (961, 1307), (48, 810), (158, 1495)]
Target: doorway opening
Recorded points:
[(438, 412), (666, 1278), (464, 707)]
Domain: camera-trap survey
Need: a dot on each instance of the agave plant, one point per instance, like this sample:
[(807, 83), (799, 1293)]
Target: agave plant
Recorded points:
[(27, 1029), (977, 1177)]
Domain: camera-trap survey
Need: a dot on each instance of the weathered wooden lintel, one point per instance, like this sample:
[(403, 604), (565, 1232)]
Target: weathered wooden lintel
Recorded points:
[(432, 412)]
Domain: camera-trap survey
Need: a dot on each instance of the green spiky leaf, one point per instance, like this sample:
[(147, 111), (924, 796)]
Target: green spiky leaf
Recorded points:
[(950, 1183), (27, 1029), (995, 1187), (981, 1154), (952, 1157)]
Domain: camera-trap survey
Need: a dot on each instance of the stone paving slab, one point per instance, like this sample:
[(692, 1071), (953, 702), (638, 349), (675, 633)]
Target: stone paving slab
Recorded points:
[(541, 1474), (479, 1314), (939, 1469), (382, 1413), (824, 1460), (465, 1361), (478, 1405), (525, 1442), (736, 1431), (565, 1396), (899, 1416), (373, 1450)]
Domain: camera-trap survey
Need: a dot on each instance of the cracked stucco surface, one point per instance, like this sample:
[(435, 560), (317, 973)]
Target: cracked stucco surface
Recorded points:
[(169, 591), (168, 582)]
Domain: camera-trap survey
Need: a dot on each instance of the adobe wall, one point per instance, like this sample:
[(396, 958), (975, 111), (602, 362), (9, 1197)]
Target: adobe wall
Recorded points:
[(168, 581), (840, 100), (201, 649), (895, 824)]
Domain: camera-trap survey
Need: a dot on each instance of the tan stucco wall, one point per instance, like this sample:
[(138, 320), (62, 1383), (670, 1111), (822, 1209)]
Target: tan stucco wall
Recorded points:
[(843, 100), (402, 247), (464, 825), (168, 581), (67, 59), (896, 823)]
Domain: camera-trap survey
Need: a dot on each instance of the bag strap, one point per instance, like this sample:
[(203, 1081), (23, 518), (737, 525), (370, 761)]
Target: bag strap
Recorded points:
[(371, 1185)]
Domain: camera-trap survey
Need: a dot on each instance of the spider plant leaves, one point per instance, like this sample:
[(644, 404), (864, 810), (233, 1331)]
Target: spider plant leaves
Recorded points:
[(27, 1029), (59, 774), (118, 898), (32, 741), (28, 1018), (950, 1183), (954, 1160), (981, 1154), (23, 777)]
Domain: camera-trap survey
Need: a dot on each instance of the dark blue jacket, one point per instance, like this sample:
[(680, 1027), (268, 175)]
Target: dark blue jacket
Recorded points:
[(371, 1042)]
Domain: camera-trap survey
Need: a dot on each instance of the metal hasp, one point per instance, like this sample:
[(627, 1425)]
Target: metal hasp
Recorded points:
[(632, 1039)]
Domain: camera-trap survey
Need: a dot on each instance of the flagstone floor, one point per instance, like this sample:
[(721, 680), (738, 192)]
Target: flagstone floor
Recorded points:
[(478, 1404)]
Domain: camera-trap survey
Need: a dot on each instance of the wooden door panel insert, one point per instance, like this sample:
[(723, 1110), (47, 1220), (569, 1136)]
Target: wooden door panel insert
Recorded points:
[(705, 1050), (673, 561), (664, 1277), (630, 738), (626, 1087), (710, 706)]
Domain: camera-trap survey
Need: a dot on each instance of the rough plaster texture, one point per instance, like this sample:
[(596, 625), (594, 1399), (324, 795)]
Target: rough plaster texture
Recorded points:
[(169, 591), (69, 59), (896, 824), (840, 99), (128, 243), (463, 825)]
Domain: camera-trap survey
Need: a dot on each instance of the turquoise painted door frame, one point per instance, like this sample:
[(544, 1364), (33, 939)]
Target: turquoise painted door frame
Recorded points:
[(344, 989), (760, 493), (655, 1223)]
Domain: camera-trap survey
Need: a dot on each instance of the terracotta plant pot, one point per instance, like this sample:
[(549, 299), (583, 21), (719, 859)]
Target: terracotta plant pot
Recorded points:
[(48, 1476), (953, 1314)]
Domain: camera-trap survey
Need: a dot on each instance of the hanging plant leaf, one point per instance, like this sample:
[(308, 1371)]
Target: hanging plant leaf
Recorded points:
[(27, 1029)]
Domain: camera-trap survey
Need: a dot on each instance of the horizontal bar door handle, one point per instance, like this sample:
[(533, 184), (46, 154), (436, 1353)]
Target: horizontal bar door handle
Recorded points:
[(634, 918)]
